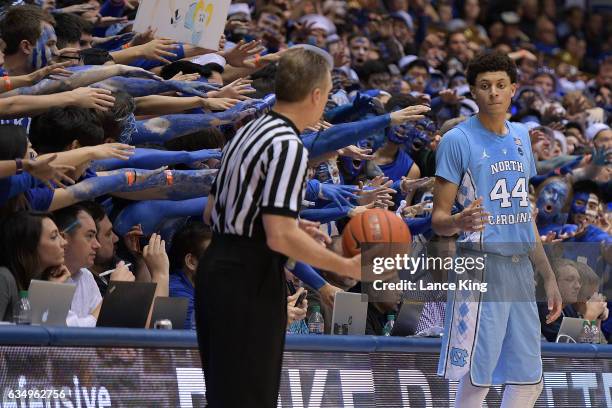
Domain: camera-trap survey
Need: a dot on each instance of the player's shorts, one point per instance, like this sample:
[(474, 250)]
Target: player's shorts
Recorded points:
[(496, 342)]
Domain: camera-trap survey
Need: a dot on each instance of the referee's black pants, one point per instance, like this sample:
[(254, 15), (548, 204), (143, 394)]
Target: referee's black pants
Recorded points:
[(241, 317)]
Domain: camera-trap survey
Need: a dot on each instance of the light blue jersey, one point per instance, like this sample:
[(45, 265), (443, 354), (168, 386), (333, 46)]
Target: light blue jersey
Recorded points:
[(498, 169), (494, 337)]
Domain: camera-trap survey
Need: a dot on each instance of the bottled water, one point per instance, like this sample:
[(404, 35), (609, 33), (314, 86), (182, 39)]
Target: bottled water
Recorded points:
[(22, 313), (389, 325), (316, 325)]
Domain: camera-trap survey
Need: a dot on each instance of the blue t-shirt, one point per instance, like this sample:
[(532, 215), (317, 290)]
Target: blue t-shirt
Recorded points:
[(14, 185), (399, 167), (180, 286), (24, 122), (496, 168), (40, 198)]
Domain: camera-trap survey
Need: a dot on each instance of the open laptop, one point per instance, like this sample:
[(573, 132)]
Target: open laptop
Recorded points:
[(50, 302), (350, 309), (126, 304), (407, 319), (171, 308), (570, 330)]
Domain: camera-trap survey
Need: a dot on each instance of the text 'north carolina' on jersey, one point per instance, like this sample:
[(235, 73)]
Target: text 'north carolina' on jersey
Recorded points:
[(496, 168)]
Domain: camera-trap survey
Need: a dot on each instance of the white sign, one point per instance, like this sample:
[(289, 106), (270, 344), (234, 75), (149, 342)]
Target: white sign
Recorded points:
[(197, 22)]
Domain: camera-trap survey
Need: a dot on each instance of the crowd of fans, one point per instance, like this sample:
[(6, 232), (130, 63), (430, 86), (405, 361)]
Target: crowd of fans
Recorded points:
[(110, 139)]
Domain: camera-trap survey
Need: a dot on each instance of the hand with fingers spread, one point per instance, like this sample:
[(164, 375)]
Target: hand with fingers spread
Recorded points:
[(239, 89), (272, 57), (158, 49), (376, 181), (338, 193), (237, 56), (219, 104), (473, 218), (185, 77), (111, 151), (409, 114), (601, 156), (382, 194), (356, 153), (44, 170), (408, 185), (93, 98), (53, 69)]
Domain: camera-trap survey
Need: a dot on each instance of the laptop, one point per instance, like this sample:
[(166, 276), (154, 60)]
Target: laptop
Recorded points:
[(171, 308), (127, 304), (350, 309), (570, 330), (407, 319), (50, 302)]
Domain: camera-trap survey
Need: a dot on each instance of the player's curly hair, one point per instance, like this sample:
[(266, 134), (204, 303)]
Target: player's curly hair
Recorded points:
[(490, 62)]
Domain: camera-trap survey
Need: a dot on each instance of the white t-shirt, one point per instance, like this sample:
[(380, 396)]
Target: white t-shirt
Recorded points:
[(86, 298)]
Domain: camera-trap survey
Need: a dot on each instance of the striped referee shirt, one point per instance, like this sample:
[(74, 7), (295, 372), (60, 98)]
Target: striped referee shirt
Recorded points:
[(263, 171)]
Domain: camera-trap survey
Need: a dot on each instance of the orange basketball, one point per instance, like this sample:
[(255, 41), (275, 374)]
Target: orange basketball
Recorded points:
[(374, 226)]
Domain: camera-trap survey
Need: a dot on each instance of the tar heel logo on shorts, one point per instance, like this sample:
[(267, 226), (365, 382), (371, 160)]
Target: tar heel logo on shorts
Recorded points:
[(458, 357)]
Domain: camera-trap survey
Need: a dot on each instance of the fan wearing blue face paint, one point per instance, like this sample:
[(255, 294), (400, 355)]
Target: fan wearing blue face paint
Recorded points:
[(30, 39), (584, 213), (553, 197), (394, 162)]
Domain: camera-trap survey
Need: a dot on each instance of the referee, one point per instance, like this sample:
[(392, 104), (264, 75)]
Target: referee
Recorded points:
[(241, 306)]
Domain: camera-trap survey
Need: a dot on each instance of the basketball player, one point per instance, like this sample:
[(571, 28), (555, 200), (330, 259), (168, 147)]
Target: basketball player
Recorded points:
[(484, 165)]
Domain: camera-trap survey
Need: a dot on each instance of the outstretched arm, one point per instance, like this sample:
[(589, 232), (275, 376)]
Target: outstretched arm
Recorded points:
[(31, 105), (143, 87), (172, 185), (84, 76), (343, 135), (88, 189), (152, 159), (151, 213), (361, 106), (164, 128)]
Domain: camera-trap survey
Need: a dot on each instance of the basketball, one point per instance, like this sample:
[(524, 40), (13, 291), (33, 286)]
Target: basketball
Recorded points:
[(374, 226)]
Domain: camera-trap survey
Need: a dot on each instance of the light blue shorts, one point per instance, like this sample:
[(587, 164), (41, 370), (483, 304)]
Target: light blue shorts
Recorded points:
[(496, 342)]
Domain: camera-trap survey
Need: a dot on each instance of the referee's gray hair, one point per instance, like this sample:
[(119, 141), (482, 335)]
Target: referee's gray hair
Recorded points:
[(317, 50), (300, 71)]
